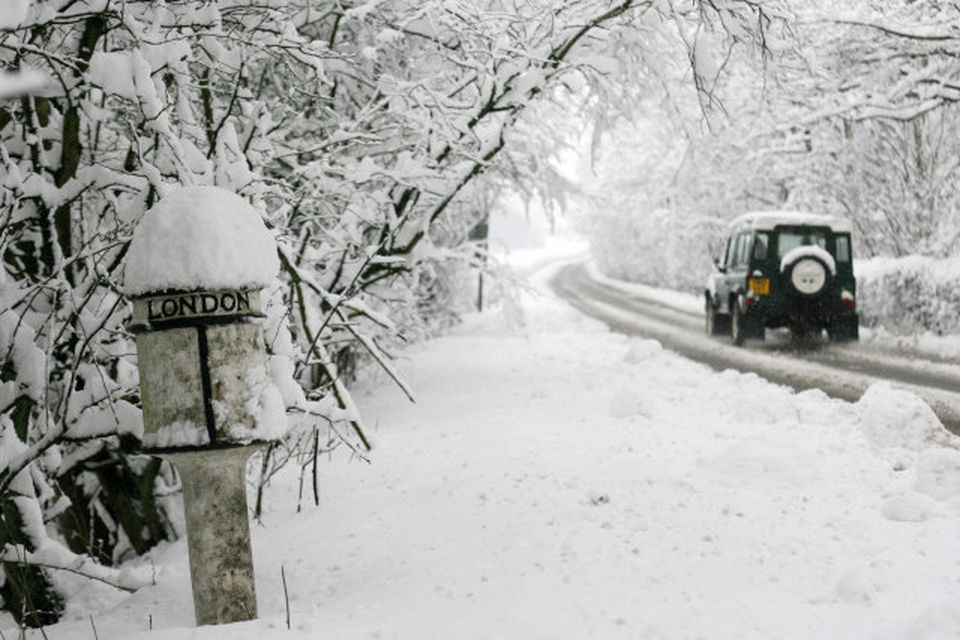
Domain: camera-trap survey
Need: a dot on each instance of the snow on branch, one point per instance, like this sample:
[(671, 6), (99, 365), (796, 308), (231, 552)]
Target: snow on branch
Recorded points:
[(52, 555)]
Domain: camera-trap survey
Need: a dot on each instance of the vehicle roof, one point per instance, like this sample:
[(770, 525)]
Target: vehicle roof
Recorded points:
[(767, 220)]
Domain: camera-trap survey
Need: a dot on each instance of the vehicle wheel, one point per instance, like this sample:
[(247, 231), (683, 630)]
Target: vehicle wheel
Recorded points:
[(737, 335), (744, 326), (718, 324), (846, 329)]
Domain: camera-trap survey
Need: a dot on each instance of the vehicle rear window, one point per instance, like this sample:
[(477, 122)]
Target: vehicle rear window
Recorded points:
[(790, 240), (843, 249)]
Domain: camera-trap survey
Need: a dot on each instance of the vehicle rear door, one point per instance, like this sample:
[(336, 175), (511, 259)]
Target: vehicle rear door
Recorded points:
[(737, 267)]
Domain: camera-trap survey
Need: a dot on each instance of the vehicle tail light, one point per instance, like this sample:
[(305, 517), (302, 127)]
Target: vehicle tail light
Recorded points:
[(848, 301)]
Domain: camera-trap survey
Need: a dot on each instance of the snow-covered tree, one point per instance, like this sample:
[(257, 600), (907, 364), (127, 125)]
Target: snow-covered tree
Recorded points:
[(360, 131), (848, 111)]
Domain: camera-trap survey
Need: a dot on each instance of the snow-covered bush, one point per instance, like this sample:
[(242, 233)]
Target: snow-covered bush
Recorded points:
[(909, 295)]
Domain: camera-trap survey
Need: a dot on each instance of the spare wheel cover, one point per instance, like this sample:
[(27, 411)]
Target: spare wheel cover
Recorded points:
[(808, 276)]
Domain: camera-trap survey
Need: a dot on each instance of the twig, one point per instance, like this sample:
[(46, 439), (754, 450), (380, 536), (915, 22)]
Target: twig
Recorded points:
[(264, 467), (303, 471), (316, 446), (77, 571), (286, 594)]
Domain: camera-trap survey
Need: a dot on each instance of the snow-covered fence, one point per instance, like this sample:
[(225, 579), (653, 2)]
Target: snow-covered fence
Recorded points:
[(913, 294)]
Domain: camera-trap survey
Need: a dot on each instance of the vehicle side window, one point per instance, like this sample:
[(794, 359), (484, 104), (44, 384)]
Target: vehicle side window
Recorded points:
[(843, 249), (730, 252), (734, 251), (760, 246)]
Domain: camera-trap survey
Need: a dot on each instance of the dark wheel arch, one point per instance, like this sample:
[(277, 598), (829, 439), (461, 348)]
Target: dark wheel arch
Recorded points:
[(844, 329), (717, 323)]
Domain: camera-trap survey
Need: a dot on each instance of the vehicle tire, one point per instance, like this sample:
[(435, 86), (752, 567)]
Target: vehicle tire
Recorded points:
[(744, 326), (737, 334), (718, 324), (844, 329)]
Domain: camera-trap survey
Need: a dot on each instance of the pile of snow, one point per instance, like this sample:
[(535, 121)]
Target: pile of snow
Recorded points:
[(200, 238), (562, 481), (892, 417), (909, 295)]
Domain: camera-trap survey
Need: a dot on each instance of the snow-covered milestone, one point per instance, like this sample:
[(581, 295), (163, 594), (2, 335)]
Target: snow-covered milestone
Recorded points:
[(196, 266), (200, 238)]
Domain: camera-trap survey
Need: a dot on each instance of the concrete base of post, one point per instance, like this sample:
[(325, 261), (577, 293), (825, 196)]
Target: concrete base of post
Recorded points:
[(218, 533)]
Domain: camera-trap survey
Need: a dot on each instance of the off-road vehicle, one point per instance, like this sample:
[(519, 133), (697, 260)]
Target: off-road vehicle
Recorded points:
[(784, 269)]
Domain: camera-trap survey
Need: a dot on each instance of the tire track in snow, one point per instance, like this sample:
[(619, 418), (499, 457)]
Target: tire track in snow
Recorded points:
[(839, 372)]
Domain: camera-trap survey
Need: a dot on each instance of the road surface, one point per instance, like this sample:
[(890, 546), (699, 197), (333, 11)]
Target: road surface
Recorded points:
[(842, 371)]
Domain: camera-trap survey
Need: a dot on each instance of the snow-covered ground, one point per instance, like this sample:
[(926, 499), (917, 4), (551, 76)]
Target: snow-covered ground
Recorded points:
[(557, 480), (668, 297)]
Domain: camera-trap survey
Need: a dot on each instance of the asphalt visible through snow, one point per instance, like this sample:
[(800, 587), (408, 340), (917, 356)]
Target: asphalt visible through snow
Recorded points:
[(842, 371)]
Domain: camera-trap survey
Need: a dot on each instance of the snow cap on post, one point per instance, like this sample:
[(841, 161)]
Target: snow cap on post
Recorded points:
[(200, 238)]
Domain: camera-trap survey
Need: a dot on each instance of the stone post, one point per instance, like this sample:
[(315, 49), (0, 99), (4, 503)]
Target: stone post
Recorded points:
[(195, 269), (218, 539)]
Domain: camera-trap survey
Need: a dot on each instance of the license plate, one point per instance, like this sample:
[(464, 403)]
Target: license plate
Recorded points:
[(760, 286)]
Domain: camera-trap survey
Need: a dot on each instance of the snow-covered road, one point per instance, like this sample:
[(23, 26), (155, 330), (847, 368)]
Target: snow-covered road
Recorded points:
[(842, 371), (557, 480)]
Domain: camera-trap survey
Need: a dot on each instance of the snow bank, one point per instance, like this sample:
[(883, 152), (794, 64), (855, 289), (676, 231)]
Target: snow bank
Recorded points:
[(689, 302), (200, 238), (893, 417), (909, 295)]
